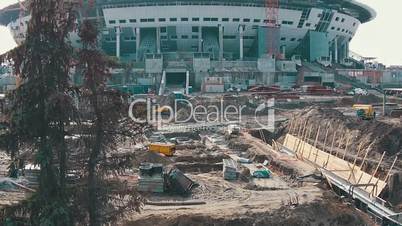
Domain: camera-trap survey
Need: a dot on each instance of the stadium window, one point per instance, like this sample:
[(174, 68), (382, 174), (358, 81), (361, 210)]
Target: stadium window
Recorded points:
[(283, 39), (332, 28), (236, 20), (293, 39), (184, 36), (173, 37), (184, 19), (133, 21), (299, 40), (308, 24), (229, 37), (319, 15), (151, 20), (143, 20), (207, 19), (343, 30), (162, 19), (122, 21), (196, 19), (257, 20), (163, 37), (163, 29), (214, 19), (343, 20), (337, 19), (194, 37), (246, 20), (112, 21), (173, 19), (354, 24), (338, 29), (225, 19), (195, 29), (287, 22)]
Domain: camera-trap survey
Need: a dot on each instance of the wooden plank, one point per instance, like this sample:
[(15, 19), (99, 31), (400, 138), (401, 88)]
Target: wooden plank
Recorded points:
[(340, 144), (354, 162), (301, 135), (315, 142), (309, 135), (336, 165), (388, 174), (376, 169), (346, 148), (325, 141), (332, 147)]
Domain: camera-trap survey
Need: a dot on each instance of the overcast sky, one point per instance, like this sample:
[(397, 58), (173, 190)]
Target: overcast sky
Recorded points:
[(380, 38)]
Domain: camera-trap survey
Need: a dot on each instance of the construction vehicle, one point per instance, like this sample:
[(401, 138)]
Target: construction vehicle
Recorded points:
[(167, 149), (233, 130), (365, 111)]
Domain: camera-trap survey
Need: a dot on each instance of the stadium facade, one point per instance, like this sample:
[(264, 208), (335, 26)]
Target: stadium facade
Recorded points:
[(220, 42)]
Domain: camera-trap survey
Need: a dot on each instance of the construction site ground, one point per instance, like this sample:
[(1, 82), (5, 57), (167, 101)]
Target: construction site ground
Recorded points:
[(294, 195), (284, 199), (279, 200)]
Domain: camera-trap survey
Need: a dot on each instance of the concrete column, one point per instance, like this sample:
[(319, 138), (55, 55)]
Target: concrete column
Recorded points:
[(187, 82), (336, 50), (220, 42), (241, 34), (137, 42), (158, 40), (200, 40), (163, 84), (118, 42), (283, 51)]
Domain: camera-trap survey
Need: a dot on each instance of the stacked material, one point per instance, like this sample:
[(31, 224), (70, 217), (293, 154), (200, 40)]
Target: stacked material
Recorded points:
[(180, 183), (230, 169), (151, 178)]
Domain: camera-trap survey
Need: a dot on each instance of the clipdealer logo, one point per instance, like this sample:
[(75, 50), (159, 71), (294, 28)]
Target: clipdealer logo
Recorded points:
[(264, 114)]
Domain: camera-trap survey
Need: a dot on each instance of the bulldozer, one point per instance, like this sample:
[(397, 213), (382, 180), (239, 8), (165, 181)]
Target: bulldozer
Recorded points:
[(365, 111)]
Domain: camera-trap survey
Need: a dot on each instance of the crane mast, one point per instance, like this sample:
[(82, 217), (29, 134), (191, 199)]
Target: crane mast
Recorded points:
[(272, 23)]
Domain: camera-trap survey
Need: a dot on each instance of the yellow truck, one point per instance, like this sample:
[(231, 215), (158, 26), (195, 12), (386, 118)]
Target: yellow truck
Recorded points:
[(167, 149), (365, 111)]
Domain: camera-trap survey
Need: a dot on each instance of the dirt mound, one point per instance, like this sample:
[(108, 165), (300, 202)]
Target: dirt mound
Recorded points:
[(385, 137), (367, 99), (142, 156)]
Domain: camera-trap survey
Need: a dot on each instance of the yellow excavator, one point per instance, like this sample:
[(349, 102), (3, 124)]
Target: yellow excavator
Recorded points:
[(365, 111)]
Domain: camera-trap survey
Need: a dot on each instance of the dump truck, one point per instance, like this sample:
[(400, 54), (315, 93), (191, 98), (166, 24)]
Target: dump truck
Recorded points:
[(365, 111), (167, 149)]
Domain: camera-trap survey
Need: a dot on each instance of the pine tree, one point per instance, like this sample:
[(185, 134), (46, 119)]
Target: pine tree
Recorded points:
[(42, 107)]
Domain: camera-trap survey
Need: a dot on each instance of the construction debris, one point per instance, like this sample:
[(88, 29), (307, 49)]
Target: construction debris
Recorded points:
[(179, 183), (151, 178), (230, 169)]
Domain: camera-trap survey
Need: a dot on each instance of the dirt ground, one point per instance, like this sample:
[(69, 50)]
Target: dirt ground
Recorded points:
[(282, 199), (279, 200)]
